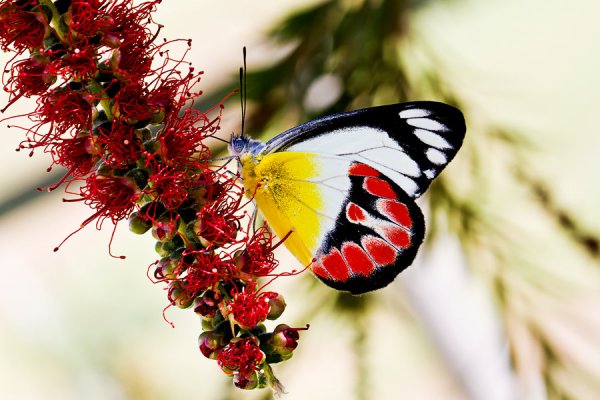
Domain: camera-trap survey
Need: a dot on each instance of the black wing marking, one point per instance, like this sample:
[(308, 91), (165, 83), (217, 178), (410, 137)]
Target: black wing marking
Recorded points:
[(409, 142)]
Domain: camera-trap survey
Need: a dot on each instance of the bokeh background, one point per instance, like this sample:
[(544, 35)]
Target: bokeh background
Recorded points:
[(502, 302)]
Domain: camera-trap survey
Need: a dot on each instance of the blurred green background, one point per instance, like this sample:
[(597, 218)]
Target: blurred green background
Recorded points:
[(502, 302)]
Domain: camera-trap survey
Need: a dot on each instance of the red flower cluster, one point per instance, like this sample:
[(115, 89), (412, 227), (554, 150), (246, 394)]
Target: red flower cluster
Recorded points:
[(114, 109)]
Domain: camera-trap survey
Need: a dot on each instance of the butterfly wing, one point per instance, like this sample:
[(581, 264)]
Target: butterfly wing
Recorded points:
[(376, 234), (409, 142), (354, 227), (343, 186)]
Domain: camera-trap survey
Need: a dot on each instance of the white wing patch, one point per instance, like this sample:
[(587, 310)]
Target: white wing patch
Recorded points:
[(414, 113), (436, 156), (386, 156), (426, 123), (430, 173), (432, 139), (370, 146), (346, 141)]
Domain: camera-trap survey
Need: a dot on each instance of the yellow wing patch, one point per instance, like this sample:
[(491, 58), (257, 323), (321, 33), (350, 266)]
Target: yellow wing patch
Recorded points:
[(282, 190)]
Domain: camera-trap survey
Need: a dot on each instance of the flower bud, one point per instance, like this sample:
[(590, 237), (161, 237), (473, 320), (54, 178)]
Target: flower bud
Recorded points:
[(276, 307), (279, 345), (241, 355), (140, 177), (250, 381), (138, 224), (166, 269), (209, 344), (157, 117), (166, 248), (179, 296), (190, 233), (285, 337), (165, 228), (206, 305)]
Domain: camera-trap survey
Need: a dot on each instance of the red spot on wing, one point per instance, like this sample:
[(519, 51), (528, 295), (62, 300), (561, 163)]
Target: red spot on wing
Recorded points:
[(335, 265), (360, 169), (379, 187), (396, 236), (379, 250), (358, 261), (318, 270), (355, 214), (396, 211)]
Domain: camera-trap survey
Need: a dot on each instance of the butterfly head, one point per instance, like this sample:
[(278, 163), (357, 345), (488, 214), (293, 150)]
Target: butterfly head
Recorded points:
[(241, 145)]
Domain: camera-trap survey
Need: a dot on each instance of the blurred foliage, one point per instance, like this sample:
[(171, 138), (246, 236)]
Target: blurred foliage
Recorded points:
[(365, 50)]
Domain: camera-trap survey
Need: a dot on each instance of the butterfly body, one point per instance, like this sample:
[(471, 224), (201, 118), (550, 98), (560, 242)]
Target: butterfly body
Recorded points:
[(342, 188)]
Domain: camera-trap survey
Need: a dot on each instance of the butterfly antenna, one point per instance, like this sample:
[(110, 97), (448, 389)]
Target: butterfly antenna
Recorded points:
[(243, 90)]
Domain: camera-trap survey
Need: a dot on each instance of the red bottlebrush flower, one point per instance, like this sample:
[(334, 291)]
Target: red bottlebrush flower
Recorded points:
[(132, 57), (121, 144), (257, 258), (29, 77), (163, 97), (112, 197), (102, 79), (87, 20), (22, 25), (169, 186), (215, 228), (66, 109), (250, 308), (219, 222), (78, 65), (128, 63), (132, 103), (181, 141), (241, 356), (206, 271), (76, 154)]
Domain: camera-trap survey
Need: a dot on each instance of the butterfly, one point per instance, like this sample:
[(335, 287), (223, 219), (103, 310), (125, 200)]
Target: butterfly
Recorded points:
[(341, 189)]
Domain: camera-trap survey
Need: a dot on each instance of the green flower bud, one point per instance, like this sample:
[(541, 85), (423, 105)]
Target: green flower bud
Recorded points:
[(157, 117), (140, 177), (138, 224), (190, 233), (276, 307), (179, 296)]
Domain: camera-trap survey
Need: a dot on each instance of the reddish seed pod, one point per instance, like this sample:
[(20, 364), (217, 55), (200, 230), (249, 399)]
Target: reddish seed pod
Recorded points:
[(167, 269), (276, 307), (207, 305), (247, 382), (166, 227), (209, 344)]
